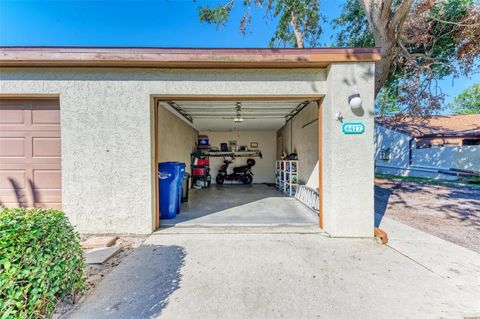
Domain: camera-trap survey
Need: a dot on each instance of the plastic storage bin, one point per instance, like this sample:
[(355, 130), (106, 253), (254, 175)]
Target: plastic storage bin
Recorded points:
[(185, 187), (168, 187), (181, 174)]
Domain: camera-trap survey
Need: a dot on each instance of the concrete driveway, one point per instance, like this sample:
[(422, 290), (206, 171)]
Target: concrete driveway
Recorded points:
[(284, 273)]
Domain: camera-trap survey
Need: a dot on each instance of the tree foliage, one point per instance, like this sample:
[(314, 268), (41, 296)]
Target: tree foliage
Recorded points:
[(467, 102), (421, 41), (299, 21), (433, 40), (353, 27)]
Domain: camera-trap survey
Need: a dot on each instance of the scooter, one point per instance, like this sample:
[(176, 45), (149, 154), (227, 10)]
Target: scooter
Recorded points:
[(242, 174)]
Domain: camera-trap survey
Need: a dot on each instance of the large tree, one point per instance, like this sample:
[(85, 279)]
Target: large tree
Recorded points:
[(467, 102), (422, 41), (299, 21)]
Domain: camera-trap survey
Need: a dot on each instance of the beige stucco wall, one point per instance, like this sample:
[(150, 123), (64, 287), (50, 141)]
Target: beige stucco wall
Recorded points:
[(348, 160), (176, 139), (264, 169), (300, 135), (108, 139), (107, 129)]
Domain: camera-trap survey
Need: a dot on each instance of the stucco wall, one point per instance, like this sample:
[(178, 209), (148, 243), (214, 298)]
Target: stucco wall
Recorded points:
[(264, 169), (397, 142), (348, 160), (461, 157), (107, 129), (426, 161), (176, 139), (300, 135)]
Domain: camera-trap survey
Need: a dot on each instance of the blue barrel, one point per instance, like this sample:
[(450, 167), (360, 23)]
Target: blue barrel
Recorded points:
[(181, 173), (168, 189)]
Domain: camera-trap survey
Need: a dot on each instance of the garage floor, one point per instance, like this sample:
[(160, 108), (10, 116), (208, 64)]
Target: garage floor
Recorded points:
[(242, 205)]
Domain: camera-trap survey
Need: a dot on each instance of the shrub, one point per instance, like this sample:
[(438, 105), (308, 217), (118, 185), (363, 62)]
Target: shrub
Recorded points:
[(41, 262)]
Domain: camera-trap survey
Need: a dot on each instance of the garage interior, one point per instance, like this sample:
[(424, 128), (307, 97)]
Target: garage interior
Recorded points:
[(204, 133)]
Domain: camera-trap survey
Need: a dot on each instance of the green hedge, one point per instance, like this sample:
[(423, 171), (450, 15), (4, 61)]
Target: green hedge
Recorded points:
[(41, 262)]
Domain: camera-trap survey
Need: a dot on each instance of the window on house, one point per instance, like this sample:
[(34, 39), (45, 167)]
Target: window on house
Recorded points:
[(385, 154), (423, 144), (471, 142)]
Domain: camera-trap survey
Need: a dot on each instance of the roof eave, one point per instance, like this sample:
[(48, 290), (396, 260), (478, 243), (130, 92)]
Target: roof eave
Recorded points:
[(182, 58)]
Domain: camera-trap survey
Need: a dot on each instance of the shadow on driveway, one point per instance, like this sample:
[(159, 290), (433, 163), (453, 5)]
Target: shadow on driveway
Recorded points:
[(139, 287), (381, 203)]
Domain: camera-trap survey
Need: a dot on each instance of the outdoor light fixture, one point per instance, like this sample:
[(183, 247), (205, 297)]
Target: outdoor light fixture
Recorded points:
[(238, 120), (355, 101)]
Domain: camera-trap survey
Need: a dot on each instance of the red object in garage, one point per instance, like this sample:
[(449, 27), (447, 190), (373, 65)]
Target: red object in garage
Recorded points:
[(203, 161), (198, 172)]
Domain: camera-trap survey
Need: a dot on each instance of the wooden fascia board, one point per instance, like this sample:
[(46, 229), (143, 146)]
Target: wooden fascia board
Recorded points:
[(182, 58)]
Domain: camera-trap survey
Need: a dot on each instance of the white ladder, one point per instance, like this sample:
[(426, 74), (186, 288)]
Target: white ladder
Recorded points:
[(308, 196)]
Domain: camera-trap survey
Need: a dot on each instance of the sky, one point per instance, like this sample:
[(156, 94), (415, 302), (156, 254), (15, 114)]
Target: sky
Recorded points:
[(155, 23)]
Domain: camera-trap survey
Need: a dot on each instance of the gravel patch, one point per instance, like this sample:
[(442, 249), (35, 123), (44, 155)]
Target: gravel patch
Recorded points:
[(451, 213)]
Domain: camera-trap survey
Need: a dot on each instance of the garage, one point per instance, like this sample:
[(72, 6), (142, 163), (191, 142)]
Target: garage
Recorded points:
[(30, 153), (105, 174), (233, 151)]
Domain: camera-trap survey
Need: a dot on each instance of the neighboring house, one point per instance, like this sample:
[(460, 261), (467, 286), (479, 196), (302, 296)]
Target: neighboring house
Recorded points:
[(443, 147), (82, 129)]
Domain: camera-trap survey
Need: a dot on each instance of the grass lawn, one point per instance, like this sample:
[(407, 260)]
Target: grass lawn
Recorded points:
[(462, 183)]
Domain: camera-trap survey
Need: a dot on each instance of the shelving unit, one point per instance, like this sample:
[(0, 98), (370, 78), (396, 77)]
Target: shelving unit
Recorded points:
[(286, 173), (200, 171), (256, 153)]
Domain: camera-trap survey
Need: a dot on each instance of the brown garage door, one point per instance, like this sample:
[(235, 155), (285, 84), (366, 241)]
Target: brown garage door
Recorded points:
[(30, 168)]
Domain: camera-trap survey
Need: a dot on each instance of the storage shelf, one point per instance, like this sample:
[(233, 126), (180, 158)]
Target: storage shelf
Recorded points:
[(285, 171), (256, 153)]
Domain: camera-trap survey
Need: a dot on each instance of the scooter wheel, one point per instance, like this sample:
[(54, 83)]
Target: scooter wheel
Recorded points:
[(219, 179), (247, 179)]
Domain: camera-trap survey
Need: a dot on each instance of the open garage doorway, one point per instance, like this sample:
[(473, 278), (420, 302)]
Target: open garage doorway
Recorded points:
[(249, 161)]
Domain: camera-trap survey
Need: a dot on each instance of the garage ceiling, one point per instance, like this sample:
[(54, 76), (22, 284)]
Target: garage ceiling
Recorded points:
[(235, 115)]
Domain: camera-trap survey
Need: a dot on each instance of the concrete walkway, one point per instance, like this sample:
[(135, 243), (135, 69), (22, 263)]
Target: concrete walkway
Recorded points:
[(455, 264), (209, 273)]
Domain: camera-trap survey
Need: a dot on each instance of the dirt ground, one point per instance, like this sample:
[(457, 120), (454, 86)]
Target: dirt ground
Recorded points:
[(451, 213), (95, 273)]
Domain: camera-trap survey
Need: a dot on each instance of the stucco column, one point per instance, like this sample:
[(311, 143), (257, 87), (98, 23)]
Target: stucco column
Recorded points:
[(348, 159)]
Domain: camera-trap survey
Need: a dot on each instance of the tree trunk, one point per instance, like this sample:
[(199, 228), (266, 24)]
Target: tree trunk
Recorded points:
[(386, 24), (297, 31), (388, 49)]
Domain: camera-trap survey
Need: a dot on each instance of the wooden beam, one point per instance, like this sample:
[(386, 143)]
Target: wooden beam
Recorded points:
[(182, 58), (168, 97), (320, 163), (155, 138), (23, 96)]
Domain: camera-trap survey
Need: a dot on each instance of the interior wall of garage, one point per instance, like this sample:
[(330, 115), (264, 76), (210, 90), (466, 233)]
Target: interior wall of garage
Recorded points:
[(300, 135), (176, 139), (264, 168)]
